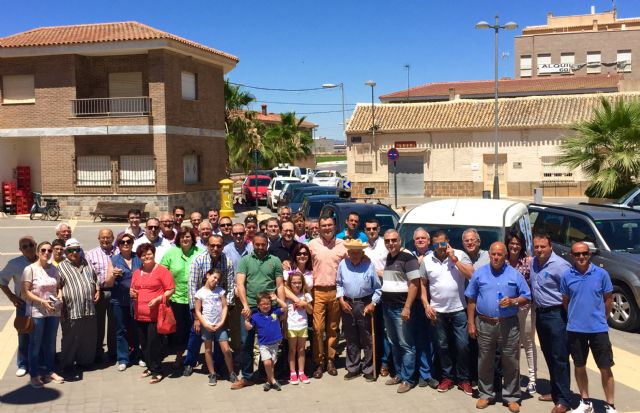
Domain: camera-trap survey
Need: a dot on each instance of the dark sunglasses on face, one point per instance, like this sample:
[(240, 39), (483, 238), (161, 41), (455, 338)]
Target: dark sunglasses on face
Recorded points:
[(215, 245), (238, 234), (73, 250), (225, 225), (125, 242), (371, 229), (46, 250), (302, 253), (442, 244), (25, 246), (581, 254), (391, 240), (179, 215), (152, 227)]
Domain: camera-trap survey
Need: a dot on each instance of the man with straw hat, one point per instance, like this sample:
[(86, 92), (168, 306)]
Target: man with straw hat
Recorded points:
[(358, 291)]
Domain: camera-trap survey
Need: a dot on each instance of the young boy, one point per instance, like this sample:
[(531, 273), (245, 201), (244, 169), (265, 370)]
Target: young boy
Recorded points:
[(267, 323)]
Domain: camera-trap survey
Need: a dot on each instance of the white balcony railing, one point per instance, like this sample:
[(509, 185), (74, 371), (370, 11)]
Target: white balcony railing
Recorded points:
[(123, 106)]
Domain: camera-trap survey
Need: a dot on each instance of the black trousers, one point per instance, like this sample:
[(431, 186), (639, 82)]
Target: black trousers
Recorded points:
[(151, 344), (357, 331)]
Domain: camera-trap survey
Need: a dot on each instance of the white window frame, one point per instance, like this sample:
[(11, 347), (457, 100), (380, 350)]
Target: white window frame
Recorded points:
[(137, 170), (189, 82), (525, 66), (543, 59), (93, 171), (552, 173), (594, 62), (568, 58), (191, 166), (624, 61), (18, 89)]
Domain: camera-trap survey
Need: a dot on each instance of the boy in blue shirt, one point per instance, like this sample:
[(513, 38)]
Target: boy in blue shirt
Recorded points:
[(267, 324), (586, 294)]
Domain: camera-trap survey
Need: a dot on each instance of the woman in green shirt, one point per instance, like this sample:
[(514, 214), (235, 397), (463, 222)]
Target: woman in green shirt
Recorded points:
[(178, 260)]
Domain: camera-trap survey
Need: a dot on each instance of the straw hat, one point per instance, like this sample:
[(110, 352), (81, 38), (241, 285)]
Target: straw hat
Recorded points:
[(355, 244)]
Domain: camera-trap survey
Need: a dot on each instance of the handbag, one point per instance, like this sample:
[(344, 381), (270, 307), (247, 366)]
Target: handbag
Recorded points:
[(23, 324), (166, 323)]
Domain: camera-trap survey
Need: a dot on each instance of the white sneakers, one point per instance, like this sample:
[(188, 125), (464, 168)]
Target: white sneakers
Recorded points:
[(584, 407), (21, 372), (122, 367), (141, 363), (609, 409)]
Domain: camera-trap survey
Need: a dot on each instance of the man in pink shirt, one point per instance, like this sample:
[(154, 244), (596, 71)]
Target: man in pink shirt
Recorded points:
[(327, 252)]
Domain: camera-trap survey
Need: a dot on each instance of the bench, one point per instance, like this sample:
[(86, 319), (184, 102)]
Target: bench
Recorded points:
[(113, 210)]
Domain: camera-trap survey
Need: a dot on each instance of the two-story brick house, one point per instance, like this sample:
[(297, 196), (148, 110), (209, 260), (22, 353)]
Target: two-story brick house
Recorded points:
[(114, 111)]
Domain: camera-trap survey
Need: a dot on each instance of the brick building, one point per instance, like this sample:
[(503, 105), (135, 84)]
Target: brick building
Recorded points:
[(114, 111)]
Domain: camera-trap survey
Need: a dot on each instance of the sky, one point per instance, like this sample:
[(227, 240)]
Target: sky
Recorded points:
[(287, 44)]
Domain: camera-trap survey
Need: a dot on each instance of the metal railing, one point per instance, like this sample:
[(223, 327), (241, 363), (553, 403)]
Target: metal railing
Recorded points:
[(122, 106)]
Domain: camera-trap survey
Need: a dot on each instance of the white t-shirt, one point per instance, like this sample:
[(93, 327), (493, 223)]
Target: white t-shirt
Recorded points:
[(446, 283), (377, 253), (211, 303), (296, 317)]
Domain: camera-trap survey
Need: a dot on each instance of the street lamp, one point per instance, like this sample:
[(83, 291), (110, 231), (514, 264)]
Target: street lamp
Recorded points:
[(496, 27), (372, 84), (341, 86)]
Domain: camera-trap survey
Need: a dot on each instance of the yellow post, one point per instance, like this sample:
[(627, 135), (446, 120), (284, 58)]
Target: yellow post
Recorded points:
[(226, 198)]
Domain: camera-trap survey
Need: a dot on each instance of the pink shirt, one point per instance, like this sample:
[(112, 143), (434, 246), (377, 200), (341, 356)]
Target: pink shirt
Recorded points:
[(326, 257), (149, 286)]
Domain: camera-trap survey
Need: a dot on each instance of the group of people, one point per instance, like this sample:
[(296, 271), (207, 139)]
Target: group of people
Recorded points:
[(433, 316)]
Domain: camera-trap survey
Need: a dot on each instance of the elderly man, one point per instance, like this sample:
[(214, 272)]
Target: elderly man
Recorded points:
[(421, 241), (133, 217), (100, 258), (312, 229), (63, 231), (351, 230), (551, 319), (495, 292), (205, 232), (178, 215), (195, 218), (587, 296), (226, 224), (167, 229), (212, 258), (358, 291), (284, 214), (400, 287), (257, 272), (13, 271), (471, 245), (444, 274), (283, 247), (327, 251), (152, 236), (213, 215)]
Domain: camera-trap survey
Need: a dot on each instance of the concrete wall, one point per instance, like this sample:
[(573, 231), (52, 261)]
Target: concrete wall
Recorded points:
[(23, 152)]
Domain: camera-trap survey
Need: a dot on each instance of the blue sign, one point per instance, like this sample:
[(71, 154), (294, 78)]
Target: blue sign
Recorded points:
[(346, 185), (393, 154)]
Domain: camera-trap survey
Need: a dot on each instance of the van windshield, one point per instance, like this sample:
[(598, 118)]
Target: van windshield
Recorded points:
[(283, 172), (488, 235)]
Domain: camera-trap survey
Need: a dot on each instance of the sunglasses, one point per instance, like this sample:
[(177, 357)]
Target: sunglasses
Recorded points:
[(73, 250), (152, 227), (304, 254), (225, 225), (238, 234), (167, 222), (25, 246), (215, 245), (371, 229), (581, 254), (442, 244), (391, 241), (125, 242), (46, 250)]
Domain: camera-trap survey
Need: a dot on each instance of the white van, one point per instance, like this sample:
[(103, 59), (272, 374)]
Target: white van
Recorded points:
[(492, 218), (288, 171)]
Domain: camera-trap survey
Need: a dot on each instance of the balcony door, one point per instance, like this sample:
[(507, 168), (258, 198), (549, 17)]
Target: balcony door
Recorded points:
[(125, 85)]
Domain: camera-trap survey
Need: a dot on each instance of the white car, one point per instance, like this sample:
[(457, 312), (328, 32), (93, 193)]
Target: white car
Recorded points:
[(307, 174), (328, 178), (275, 188)]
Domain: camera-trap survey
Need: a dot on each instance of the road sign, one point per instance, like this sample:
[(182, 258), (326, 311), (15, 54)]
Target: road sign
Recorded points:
[(393, 154), (346, 185)]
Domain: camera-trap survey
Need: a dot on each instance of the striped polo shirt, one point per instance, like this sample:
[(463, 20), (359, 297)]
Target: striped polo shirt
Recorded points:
[(398, 271), (78, 285)]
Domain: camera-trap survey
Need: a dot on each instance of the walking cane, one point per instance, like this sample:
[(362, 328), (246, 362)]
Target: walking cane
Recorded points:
[(373, 341)]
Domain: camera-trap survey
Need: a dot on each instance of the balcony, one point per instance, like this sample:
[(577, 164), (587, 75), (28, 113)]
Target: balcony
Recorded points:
[(101, 107)]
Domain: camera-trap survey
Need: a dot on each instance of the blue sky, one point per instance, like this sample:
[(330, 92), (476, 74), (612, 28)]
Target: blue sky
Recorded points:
[(302, 44)]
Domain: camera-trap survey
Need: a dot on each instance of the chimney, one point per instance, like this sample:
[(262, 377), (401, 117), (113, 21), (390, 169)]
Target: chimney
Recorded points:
[(593, 9), (452, 94), (264, 108)]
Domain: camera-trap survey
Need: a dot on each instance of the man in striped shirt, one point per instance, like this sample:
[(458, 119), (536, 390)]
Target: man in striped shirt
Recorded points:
[(400, 287)]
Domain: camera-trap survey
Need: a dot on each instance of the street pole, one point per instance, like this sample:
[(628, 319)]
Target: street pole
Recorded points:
[(395, 183), (496, 181), (255, 176), (344, 124)]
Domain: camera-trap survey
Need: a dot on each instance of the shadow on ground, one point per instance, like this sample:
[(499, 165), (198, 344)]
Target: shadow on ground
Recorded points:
[(28, 395)]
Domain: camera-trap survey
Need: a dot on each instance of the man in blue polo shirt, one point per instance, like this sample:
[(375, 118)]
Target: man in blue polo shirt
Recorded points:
[(586, 294), (495, 292), (351, 230)]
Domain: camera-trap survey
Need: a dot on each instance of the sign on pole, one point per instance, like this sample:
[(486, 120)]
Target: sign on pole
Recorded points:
[(393, 154), (346, 185)]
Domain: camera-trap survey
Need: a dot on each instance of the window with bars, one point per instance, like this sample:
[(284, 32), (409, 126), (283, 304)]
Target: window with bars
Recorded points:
[(93, 171), (525, 66), (137, 170), (191, 165), (552, 173)]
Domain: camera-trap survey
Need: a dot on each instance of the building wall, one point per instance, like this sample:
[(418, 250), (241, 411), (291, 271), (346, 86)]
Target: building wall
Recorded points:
[(213, 162), (20, 152), (606, 42)]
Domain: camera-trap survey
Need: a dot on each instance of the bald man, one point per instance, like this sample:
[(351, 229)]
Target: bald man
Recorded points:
[(495, 292)]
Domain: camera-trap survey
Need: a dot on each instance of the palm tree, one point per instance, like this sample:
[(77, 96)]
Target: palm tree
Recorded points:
[(286, 141), (242, 130), (606, 147)]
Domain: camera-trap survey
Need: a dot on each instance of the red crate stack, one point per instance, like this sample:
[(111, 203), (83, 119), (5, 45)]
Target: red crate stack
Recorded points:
[(9, 197), (23, 193), (23, 175), (22, 202)]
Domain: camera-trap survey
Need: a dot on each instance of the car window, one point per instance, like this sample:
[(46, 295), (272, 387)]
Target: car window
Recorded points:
[(324, 174), (261, 182), (578, 230), (551, 223), (621, 234), (488, 235)]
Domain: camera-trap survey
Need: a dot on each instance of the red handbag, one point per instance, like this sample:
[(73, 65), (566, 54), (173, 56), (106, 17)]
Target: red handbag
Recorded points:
[(166, 320)]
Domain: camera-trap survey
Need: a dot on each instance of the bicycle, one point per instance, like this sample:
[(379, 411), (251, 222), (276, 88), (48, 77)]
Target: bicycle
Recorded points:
[(50, 210)]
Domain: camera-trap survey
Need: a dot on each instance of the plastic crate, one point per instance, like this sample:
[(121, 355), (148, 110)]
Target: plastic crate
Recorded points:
[(9, 209)]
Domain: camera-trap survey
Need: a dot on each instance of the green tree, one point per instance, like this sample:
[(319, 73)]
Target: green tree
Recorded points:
[(242, 129), (286, 141), (606, 147)]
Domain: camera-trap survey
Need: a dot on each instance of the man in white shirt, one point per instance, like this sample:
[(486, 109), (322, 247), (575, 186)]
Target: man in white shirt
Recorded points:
[(152, 236)]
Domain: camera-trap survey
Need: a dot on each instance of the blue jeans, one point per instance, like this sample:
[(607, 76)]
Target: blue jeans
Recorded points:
[(453, 344), (423, 333), (124, 326), (552, 332), (42, 340), (403, 350), (383, 345), (247, 338), (22, 358)]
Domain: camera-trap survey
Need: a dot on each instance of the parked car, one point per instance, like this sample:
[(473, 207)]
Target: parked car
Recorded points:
[(387, 217), (312, 204), (492, 218), (275, 188), (249, 192), (306, 174), (328, 178), (287, 170), (268, 172), (301, 193), (613, 236), (629, 200), (288, 190)]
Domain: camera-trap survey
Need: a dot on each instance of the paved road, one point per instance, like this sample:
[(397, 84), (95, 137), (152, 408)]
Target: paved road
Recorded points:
[(107, 390)]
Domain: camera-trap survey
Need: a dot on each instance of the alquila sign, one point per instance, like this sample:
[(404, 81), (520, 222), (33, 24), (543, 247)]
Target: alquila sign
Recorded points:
[(550, 68)]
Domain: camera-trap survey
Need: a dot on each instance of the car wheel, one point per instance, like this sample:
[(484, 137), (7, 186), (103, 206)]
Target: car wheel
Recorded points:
[(624, 311)]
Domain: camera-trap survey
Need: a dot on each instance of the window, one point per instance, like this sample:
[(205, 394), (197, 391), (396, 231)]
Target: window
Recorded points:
[(578, 230), (137, 170), (125, 84), (364, 167), (191, 165), (568, 59), (624, 60), (18, 89), (189, 86), (543, 59), (593, 62), (525, 66), (552, 224), (552, 173), (93, 171)]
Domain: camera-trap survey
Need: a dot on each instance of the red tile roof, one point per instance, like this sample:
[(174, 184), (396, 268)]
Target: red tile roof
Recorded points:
[(274, 118), (511, 86), (97, 33)]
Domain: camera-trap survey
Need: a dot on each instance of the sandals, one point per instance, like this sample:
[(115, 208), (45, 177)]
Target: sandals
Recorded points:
[(56, 378), (155, 379), (145, 373)]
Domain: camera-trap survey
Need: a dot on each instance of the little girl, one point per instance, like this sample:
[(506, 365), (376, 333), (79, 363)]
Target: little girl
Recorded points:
[(211, 310), (297, 325)]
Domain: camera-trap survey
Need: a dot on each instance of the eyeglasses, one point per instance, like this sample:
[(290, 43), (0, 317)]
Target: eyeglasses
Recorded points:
[(469, 241), (442, 244), (46, 250), (371, 229), (239, 234), (73, 250), (179, 215), (224, 225), (152, 227), (581, 254), (303, 254), (215, 245), (391, 240), (167, 222), (125, 242), (29, 245)]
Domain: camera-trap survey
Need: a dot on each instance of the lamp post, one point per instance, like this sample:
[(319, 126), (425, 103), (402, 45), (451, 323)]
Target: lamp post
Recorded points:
[(341, 86), (496, 27), (372, 84)]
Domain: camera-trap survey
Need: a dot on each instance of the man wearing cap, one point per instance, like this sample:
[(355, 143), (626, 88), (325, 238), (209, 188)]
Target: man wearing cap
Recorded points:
[(13, 271), (358, 291)]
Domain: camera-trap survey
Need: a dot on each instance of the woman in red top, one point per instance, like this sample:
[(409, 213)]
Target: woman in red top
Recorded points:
[(148, 286)]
